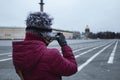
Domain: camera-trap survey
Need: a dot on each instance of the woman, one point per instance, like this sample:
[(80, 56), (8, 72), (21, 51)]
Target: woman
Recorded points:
[(31, 57)]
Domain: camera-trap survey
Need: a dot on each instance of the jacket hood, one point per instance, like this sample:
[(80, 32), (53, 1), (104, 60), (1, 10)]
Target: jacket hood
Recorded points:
[(25, 54)]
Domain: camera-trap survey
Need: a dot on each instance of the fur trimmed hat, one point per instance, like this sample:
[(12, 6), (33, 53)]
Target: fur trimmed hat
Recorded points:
[(38, 22)]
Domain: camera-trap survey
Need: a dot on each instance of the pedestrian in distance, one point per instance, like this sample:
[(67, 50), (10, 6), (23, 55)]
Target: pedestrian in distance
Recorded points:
[(33, 60)]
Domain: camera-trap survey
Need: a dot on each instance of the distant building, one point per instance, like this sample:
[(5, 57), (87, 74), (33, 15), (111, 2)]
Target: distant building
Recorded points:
[(87, 29), (76, 35), (69, 34), (85, 34), (19, 33), (12, 33)]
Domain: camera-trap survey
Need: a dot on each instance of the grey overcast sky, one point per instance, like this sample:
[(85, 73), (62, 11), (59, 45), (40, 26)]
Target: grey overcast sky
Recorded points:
[(100, 15)]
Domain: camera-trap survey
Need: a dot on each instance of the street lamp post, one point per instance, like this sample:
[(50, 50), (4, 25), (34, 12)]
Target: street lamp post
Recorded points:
[(41, 5)]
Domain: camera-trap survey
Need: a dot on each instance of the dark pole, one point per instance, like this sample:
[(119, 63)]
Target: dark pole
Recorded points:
[(41, 5)]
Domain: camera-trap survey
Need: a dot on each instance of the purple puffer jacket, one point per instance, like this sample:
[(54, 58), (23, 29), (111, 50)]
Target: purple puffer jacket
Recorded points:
[(37, 62)]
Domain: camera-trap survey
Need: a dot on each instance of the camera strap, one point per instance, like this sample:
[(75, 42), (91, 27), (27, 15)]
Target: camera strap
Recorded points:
[(20, 74)]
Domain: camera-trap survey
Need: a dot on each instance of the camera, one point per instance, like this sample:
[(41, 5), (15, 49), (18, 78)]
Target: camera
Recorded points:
[(54, 36)]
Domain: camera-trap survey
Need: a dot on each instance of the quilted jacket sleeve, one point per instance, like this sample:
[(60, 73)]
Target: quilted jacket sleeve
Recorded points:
[(64, 65)]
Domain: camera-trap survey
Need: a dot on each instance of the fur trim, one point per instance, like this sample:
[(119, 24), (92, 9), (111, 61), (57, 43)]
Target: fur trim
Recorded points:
[(40, 20)]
